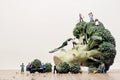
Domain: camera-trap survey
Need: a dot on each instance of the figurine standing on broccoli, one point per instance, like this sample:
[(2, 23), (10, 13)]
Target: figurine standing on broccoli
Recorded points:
[(80, 17), (91, 17)]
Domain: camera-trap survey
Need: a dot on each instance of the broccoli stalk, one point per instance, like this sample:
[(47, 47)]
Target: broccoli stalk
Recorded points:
[(73, 56)]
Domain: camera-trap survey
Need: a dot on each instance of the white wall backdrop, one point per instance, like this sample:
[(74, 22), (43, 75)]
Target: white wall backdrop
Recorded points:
[(30, 28)]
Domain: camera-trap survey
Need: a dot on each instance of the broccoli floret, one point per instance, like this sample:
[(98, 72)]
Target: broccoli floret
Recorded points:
[(79, 29), (107, 47), (36, 63), (75, 68), (63, 67), (48, 67), (91, 28)]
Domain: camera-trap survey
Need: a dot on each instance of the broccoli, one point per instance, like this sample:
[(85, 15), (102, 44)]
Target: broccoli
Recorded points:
[(35, 66), (36, 63), (75, 68), (100, 47), (48, 67), (63, 67), (79, 29)]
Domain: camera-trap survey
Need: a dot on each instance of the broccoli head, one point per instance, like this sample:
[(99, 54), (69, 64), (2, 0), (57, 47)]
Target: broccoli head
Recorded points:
[(63, 67), (79, 29), (36, 63), (100, 46), (75, 68), (48, 67)]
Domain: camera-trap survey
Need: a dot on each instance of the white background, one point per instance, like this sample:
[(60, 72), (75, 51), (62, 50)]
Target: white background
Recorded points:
[(30, 28)]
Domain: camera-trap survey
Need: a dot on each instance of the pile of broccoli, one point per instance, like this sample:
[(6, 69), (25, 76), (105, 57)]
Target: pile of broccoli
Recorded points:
[(37, 66)]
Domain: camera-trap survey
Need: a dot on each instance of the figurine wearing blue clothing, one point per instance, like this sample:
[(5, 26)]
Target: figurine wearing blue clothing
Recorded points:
[(91, 17)]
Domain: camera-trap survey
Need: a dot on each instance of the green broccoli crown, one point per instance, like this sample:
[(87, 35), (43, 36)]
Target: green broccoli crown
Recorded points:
[(98, 38), (36, 63), (79, 29), (48, 67), (75, 68), (63, 67)]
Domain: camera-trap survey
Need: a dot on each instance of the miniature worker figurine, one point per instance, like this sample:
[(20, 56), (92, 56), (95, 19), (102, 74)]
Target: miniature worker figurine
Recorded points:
[(80, 17), (54, 69), (74, 42), (44, 67), (28, 67), (91, 17), (22, 67), (102, 68), (96, 22)]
